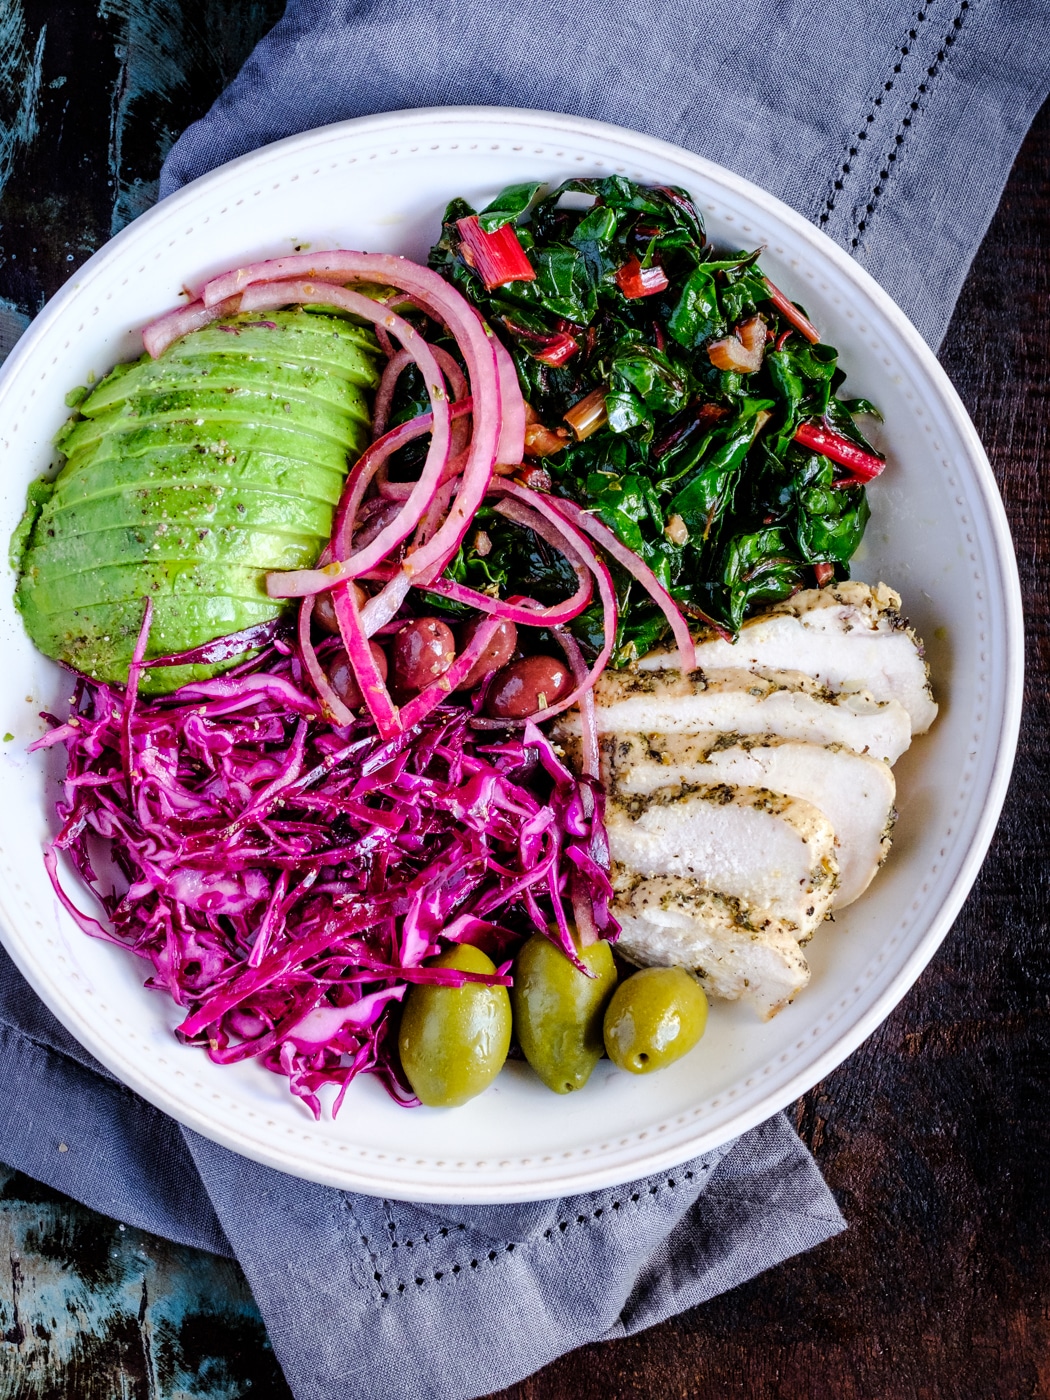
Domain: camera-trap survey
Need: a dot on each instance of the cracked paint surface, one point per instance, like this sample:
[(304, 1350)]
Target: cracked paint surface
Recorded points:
[(21, 65), (95, 1310), (92, 95)]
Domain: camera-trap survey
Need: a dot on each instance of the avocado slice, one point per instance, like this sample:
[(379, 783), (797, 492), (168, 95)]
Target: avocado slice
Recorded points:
[(223, 440), (187, 479), (198, 471), (219, 406), (211, 506), (93, 632)]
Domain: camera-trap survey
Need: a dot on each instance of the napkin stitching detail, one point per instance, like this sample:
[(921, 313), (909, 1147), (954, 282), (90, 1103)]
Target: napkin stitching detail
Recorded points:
[(634, 1199), (494, 1255), (916, 105), (372, 1255), (853, 151)]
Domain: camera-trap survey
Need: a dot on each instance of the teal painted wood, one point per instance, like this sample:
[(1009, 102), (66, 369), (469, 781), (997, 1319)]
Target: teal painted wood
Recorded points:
[(94, 1310), (91, 97)]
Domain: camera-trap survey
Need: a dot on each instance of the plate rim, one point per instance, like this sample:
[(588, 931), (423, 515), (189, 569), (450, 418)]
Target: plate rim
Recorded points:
[(584, 1174)]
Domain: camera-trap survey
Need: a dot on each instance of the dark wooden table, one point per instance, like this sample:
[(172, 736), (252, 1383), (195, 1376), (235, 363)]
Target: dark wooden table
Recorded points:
[(934, 1135)]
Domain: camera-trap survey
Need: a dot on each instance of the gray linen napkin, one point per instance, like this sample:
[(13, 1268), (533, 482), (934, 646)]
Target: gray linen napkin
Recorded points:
[(891, 124), (380, 1300), (893, 127)]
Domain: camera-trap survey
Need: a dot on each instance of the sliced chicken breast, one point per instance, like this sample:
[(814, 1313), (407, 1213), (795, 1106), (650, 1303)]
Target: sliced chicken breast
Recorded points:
[(855, 793), (785, 703), (847, 637), (671, 922), (774, 852)]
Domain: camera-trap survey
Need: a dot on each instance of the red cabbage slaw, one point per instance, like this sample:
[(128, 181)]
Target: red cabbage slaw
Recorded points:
[(288, 877), (287, 866)]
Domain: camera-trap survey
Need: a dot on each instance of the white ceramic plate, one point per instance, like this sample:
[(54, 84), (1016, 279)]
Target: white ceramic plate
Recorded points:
[(938, 534)]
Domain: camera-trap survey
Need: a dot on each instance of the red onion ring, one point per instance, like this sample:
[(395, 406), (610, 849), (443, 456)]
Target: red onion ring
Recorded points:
[(173, 325), (369, 681), (331, 705), (400, 360), (270, 295), (638, 570), (476, 344), (523, 507)]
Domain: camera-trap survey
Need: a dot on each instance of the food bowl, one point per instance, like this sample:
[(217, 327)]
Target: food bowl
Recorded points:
[(938, 534)]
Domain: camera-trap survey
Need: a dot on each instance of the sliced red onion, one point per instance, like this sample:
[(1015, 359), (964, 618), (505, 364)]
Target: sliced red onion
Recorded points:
[(131, 696), (285, 293), (525, 612), (331, 705), (511, 446), (369, 681), (383, 608), (173, 325), (476, 345), (590, 766), (638, 570), (523, 507), (400, 360)]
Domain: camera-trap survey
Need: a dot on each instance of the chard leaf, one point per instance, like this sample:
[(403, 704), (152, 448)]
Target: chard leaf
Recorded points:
[(652, 376), (697, 316), (744, 289), (564, 284), (758, 567), (862, 406), (508, 205), (593, 236), (620, 193), (626, 411), (833, 536)]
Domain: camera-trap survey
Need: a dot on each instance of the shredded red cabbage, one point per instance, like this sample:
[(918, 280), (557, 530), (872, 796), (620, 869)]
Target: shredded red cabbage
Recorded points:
[(287, 877)]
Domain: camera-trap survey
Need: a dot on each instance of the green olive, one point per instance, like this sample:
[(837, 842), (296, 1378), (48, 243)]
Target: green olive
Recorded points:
[(454, 1040), (558, 1010), (654, 1018)]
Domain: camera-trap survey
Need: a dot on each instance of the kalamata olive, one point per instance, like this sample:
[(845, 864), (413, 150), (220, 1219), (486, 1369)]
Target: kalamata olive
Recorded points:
[(558, 1010), (654, 1018), (453, 1040), (527, 685), (423, 650), (496, 654), (342, 679), (324, 608)]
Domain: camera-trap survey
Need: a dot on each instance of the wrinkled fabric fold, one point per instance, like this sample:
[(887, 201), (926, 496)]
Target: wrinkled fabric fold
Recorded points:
[(441, 1305), (890, 126)]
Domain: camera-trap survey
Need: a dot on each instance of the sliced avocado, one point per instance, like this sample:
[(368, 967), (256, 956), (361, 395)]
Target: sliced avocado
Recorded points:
[(174, 543), (56, 592), (204, 468), (219, 406), (287, 337), (187, 480), (97, 634), (37, 497), (188, 376), (133, 436), (212, 506)]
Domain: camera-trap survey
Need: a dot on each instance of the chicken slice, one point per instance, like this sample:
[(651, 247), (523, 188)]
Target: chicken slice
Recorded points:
[(847, 637), (775, 853), (784, 703), (736, 953), (855, 793)]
